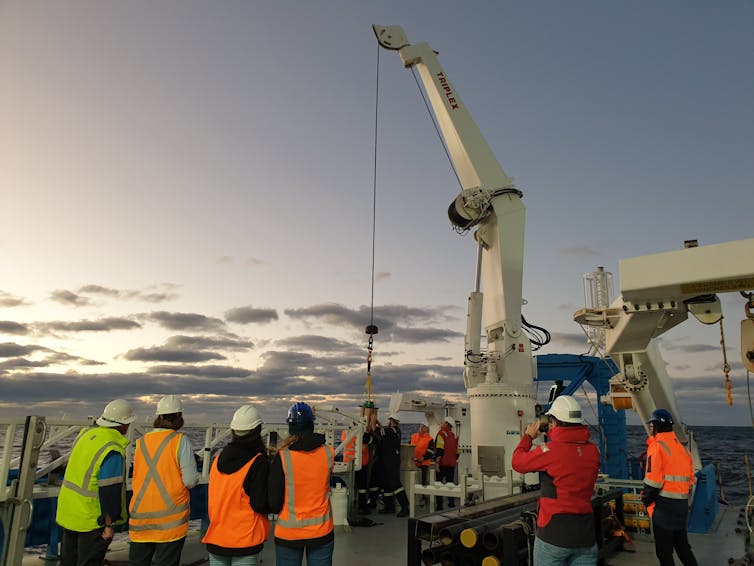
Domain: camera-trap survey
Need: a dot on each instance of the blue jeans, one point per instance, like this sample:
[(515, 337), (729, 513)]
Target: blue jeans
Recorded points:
[(250, 560), (315, 556), (546, 554)]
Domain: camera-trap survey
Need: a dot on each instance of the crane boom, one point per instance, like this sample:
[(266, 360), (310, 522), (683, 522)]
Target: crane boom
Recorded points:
[(499, 382), (658, 292)]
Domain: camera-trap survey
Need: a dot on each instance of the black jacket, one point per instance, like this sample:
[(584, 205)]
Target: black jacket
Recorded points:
[(233, 457)]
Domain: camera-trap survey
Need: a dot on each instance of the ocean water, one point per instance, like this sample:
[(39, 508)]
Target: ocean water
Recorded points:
[(720, 445), (723, 446)]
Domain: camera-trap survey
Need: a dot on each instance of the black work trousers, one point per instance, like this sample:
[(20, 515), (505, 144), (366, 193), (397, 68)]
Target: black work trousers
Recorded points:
[(666, 541), (164, 553), (446, 474), (83, 549)]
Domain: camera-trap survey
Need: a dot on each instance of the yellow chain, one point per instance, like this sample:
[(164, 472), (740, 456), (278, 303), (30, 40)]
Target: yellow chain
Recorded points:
[(368, 401), (726, 366)]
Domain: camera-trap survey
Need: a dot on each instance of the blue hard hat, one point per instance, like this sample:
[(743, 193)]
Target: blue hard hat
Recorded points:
[(300, 413), (661, 416)]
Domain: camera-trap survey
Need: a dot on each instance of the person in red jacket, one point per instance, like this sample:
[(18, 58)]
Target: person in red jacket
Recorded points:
[(446, 457), (568, 466), (668, 479)]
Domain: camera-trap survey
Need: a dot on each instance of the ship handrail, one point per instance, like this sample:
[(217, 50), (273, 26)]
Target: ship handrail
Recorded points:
[(61, 428)]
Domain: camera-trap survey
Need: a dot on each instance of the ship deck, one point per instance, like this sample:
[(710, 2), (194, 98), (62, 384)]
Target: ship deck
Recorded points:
[(388, 543)]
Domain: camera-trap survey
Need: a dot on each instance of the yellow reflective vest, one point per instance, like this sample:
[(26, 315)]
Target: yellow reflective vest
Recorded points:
[(160, 503), (78, 501)]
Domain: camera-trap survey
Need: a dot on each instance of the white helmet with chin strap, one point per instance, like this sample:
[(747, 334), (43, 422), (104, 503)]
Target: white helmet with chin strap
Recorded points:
[(169, 405), (566, 409), (245, 418), (117, 413)]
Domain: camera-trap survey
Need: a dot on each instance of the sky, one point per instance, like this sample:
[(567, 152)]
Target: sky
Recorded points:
[(187, 191)]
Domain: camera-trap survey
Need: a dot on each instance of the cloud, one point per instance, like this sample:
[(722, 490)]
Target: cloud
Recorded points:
[(107, 324), (185, 321), (255, 262), (166, 354), (579, 251), (394, 321), (248, 315), (208, 371), (18, 358), (281, 378), (13, 364), (229, 342), (575, 339), (10, 327), (69, 298), (384, 316), (689, 348), (190, 349), (316, 343), (9, 300), (10, 349), (423, 335), (128, 294)]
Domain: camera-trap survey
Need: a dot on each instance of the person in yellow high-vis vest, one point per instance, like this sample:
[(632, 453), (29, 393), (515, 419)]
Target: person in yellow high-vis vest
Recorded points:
[(92, 499), (164, 471), (237, 502), (299, 492)]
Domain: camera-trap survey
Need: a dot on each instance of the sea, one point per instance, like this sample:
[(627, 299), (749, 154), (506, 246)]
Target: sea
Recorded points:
[(726, 447)]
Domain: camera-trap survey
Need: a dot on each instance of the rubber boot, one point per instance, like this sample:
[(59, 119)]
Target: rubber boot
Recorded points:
[(389, 503), (364, 503), (373, 495), (403, 502)]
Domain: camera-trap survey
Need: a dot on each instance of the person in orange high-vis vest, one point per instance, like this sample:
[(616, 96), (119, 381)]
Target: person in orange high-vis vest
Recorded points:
[(164, 471), (299, 492), (362, 475), (667, 482), (424, 451), (237, 499)]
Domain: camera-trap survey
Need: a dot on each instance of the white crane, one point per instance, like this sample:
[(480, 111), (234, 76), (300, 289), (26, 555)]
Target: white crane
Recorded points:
[(499, 379)]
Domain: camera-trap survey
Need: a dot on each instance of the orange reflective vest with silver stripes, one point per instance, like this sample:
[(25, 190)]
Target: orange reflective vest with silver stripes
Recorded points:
[(669, 468), (349, 451), (306, 511), (421, 447), (232, 521), (159, 509)]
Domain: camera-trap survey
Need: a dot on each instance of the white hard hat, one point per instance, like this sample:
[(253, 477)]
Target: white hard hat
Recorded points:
[(117, 413), (566, 409), (395, 418), (246, 418), (168, 405), (450, 421)]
